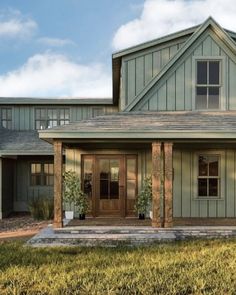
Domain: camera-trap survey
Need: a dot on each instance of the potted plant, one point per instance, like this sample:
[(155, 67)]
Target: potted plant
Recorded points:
[(81, 203), (73, 194), (144, 198)]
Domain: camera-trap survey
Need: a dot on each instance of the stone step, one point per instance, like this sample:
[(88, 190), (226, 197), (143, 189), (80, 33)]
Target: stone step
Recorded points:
[(111, 237)]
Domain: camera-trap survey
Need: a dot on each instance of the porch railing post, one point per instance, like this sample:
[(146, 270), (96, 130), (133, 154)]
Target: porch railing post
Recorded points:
[(168, 184), (156, 184), (58, 162)]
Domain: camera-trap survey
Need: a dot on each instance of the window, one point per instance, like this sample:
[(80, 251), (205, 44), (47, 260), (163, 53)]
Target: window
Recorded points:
[(208, 85), (208, 176), (97, 112), (41, 174), (49, 118), (6, 118)]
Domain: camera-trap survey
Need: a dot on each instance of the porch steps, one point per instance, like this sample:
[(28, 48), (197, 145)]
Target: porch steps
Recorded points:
[(106, 236)]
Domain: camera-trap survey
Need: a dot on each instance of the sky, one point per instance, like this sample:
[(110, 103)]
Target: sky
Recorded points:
[(63, 48)]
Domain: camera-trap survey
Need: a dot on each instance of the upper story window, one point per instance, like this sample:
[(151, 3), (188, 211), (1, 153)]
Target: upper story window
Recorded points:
[(208, 85), (49, 118), (6, 118)]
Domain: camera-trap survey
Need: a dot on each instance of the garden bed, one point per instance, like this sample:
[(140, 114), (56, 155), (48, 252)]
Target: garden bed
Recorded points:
[(18, 225)]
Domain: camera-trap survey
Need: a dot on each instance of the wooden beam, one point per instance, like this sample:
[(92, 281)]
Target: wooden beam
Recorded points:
[(168, 184), (58, 162), (156, 184)]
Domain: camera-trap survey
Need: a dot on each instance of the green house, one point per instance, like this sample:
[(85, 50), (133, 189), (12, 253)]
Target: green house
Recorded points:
[(172, 116)]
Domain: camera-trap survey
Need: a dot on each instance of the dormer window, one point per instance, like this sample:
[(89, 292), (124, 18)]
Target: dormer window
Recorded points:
[(208, 85)]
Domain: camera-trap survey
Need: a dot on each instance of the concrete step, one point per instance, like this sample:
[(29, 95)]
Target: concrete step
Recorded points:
[(128, 236)]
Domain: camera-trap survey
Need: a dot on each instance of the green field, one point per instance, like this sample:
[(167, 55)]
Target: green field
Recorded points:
[(196, 267)]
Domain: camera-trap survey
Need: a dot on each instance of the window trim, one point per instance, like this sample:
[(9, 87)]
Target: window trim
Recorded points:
[(46, 120), (221, 176), (222, 81), (42, 163), (7, 120)]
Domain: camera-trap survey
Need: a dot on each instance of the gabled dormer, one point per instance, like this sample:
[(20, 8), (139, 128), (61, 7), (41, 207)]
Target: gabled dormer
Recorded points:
[(191, 70)]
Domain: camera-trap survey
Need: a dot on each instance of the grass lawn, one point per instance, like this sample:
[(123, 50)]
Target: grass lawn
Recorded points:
[(196, 267)]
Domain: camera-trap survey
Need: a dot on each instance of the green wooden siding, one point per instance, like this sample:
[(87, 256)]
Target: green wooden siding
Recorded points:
[(140, 67), (8, 174), (24, 192), (23, 116), (175, 91), (185, 202), (73, 160)]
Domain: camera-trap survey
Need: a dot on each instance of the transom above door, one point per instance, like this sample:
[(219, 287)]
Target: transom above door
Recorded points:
[(110, 182)]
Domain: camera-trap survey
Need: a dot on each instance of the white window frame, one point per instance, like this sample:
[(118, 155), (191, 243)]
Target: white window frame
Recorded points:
[(222, 81), (221, 155)]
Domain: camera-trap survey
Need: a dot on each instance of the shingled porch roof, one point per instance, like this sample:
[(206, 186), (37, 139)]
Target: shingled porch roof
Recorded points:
[(150, 125)]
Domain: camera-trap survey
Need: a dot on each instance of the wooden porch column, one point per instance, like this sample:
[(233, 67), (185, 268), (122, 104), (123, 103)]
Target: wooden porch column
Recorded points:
[(156, 184), (58, 161), (168, 184)]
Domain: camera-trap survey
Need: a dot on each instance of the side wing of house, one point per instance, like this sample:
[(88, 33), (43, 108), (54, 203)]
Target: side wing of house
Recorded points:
[(26, 162)]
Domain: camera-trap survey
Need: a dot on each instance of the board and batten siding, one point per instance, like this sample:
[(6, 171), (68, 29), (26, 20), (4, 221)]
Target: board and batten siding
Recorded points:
[(185, 203), (24, 192), (23, 116), (175, 91), (140, 67), (73, 161)]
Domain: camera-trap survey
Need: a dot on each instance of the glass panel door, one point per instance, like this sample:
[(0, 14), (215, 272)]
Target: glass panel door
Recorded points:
[(108, 188)]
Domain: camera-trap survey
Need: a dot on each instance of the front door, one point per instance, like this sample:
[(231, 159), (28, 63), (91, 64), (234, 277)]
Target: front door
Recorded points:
[(110, 182), (109, 185)]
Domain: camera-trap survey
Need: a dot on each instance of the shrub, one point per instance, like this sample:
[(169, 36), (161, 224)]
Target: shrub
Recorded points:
[(145, 197), (73, 192), (41, 208)]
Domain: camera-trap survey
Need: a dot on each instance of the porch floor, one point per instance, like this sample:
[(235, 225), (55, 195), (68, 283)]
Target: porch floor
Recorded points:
[(112, 236), (106, 221)]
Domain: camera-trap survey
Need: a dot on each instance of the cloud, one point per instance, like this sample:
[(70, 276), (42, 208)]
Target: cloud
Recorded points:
[(15, 25), (55, 42), (161, 17), (54, 75)]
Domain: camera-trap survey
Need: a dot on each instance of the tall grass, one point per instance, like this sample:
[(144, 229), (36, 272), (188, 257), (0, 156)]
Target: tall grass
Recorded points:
[(199, 267), (41, 208)]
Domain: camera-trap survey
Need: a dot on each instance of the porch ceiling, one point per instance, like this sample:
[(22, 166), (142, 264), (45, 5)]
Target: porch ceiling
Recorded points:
[(150, 125)]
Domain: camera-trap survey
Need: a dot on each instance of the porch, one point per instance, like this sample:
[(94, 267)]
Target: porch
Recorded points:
[(171, 147)]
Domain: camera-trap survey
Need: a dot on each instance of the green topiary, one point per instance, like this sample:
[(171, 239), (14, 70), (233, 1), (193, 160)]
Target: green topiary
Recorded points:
[(144, 198), (73, 192)]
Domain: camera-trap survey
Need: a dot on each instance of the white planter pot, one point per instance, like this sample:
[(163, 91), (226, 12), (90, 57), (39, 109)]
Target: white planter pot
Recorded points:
[(150, 214), (69, 214)]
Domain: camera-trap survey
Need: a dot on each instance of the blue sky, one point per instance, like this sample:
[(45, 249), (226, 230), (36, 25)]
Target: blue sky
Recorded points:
[(62, 48)]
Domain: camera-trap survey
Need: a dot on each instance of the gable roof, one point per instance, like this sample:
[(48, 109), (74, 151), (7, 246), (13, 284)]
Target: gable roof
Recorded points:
[(210, 22), (149, 125)]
